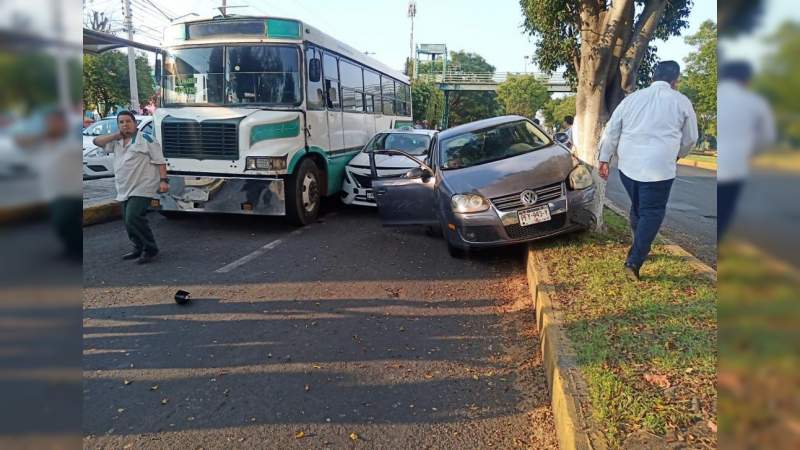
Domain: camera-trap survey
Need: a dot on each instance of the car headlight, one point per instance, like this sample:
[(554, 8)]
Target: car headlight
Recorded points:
[(468, 203), (265, 163), (580, 177)]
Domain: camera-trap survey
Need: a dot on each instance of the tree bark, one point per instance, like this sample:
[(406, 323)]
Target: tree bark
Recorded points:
[(612, 49)]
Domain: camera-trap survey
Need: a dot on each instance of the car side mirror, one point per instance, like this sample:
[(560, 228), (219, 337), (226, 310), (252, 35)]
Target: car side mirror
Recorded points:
[(314, 70), (561, 138), (419, 172)]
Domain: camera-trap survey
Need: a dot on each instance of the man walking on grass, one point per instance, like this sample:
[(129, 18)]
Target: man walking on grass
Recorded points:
[(140, 172), (649, 131)]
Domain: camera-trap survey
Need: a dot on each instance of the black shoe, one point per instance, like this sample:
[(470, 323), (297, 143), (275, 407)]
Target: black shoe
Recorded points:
[(132, 255), (146, 257), (632, 272)]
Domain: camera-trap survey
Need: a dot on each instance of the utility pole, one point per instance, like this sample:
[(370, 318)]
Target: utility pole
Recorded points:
[(131, 57), (224, 8), (412, 12), (62, 72)]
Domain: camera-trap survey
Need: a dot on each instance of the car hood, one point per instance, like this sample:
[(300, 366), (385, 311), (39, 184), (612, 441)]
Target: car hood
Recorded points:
[(511, 175), (87, 142), (385, 161)]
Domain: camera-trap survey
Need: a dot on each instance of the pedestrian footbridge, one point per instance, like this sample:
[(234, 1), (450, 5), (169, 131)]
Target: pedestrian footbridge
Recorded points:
[(488, 81)]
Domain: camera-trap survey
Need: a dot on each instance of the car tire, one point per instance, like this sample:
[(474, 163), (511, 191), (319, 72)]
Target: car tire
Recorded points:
[(303, 194), (434, 231), (456, 252), (174, 215)]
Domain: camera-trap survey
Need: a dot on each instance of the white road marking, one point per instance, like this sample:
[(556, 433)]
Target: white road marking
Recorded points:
[(259, 252)]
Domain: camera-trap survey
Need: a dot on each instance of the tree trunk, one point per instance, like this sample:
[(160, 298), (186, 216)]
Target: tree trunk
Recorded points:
[(591, 115)]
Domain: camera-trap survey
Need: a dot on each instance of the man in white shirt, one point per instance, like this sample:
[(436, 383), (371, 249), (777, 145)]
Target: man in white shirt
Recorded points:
[(649, 131), (746, 125), (567, 124), (140, 172)]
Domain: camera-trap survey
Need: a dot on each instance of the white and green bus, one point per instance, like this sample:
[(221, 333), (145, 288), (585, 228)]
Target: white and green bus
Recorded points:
[(260, 115)]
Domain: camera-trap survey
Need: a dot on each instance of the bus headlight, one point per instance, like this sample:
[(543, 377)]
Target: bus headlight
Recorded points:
[(468, 203), (265, 163), (580, 177)]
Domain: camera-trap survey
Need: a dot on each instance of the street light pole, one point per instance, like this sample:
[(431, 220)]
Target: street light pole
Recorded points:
[(412, 12), (131, 58)]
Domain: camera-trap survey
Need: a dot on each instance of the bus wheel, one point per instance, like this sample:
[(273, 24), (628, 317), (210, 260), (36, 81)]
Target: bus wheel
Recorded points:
[(303, 194)]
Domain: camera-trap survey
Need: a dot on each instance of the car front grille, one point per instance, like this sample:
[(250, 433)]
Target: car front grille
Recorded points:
[(200, 140), (540, 229), (512, 202), (364, 181), (94, 168)]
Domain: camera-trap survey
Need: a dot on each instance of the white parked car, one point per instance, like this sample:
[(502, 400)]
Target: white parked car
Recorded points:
[(357, 182), (96, 162)]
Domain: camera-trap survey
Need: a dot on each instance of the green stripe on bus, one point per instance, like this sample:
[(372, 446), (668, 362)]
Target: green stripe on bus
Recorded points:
[(334, 164), (283, 29), (275, 131)]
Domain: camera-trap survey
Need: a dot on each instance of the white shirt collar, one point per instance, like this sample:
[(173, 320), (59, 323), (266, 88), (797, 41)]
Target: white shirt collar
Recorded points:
[(661, 84)]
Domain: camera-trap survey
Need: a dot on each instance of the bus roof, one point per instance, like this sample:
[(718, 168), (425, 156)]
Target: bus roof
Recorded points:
[(310, 34)]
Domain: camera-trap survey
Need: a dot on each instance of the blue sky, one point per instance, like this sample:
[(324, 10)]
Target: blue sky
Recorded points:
[(491, 28)]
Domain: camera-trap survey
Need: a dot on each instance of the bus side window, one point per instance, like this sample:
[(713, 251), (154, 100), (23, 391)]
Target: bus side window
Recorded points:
[(314, 93), (330, 70)]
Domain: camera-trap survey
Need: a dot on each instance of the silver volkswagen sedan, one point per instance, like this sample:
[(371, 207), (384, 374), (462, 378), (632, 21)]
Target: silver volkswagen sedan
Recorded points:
[(488, 183)]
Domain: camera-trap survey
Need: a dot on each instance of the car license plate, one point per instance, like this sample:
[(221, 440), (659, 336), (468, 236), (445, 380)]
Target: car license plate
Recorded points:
[(370, 195), (534, 215)]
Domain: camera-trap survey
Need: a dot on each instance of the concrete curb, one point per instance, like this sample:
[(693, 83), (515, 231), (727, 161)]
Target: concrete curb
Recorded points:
[(569, 394), (21, 213), (101, 212), (698, 164), (674, 248)]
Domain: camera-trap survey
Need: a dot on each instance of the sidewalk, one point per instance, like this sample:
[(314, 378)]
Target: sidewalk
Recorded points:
[(629, 364), (98, 201)]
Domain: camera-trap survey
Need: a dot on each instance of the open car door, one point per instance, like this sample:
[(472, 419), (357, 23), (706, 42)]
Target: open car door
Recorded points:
[(407, 199)]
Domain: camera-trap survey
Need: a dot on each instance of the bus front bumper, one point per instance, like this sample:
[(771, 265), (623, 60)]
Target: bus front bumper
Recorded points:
[(231, 195)]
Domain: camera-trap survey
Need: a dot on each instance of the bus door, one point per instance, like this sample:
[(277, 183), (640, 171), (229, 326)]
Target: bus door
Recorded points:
[(316, 113), (333, 96)]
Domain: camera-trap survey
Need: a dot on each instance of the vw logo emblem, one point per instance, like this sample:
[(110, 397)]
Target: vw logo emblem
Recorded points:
[(528, 197)]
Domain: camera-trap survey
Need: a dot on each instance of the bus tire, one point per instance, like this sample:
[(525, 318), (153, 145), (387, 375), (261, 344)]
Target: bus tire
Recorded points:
[(303, 194)]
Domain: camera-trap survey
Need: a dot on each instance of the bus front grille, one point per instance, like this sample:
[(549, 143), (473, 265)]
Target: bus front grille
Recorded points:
[(209, 139)]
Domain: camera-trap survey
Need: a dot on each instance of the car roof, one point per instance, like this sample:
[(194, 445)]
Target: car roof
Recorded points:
[(429, 133), (478, 125)]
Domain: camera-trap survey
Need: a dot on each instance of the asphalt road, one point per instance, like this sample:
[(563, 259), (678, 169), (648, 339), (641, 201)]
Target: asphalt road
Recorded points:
[(768, 214), (298, 338), (691, 219)]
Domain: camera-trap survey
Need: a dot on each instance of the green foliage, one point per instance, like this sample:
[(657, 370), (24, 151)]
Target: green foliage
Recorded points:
[(428, 102), (556, 25), (29, 81), (522, 95), (105, 80), (557, 108), (699, 81), (470, 106), (779, 80)]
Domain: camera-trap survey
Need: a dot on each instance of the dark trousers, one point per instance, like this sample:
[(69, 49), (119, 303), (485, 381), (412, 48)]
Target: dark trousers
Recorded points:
[(727, 197), (648, 206), (66, 216), (134, 214)]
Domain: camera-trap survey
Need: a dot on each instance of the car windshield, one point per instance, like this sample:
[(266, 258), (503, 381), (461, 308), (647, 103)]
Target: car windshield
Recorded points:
[(491, 144), (102, 127), (241, 74), (411, 143)]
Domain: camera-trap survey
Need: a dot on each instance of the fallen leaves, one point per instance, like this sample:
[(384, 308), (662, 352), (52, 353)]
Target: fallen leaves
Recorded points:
[(154, 387), (299, 434), (657, 380), (354, 436), (164, 401), (712, 426)]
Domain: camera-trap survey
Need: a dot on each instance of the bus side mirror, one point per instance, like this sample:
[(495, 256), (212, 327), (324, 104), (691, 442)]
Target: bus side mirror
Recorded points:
[(314, 70)]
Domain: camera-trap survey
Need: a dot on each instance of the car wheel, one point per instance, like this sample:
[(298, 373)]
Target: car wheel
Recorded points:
[(174, 215), (434, 231), (456, 252), (303, 194)]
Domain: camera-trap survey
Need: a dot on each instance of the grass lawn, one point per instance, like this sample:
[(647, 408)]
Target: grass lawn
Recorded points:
[(784, 160), (647, 350), (702, 158), (759, 351)]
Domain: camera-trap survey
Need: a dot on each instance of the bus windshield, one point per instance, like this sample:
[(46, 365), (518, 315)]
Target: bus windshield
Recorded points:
[(232, 75)]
